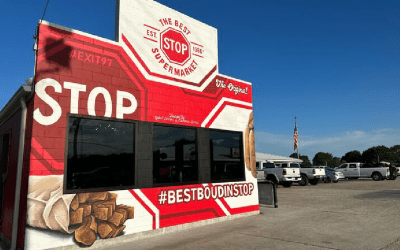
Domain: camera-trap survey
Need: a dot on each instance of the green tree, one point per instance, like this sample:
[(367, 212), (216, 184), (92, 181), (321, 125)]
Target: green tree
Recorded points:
[(369, 155), (306, 161), (377, 154), (324, 159), (352, 156), (335, 162), (382, 153), (395, 153)]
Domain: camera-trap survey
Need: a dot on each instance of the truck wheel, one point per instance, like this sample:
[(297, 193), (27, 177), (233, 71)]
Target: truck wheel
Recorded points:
[(287, 184), (335, 181), (303, 180), (314, 182), (376, 176)]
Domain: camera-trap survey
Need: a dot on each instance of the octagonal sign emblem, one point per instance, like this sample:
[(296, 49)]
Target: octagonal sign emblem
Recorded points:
[(175, 46)]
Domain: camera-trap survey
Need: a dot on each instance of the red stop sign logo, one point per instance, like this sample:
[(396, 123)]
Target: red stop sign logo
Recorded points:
[(175, 46)]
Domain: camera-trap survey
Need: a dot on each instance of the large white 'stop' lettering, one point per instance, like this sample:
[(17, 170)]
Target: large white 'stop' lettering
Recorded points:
[(76, 89)]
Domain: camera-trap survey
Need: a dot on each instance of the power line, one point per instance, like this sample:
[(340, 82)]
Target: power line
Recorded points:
[(44, 12)]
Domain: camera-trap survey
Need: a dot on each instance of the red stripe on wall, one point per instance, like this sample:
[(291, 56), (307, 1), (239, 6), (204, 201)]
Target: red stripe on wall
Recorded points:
[(222, 108), (191, 212), (148, 209), (151, 27), (150, 39), (197, 44), (42, 163), (188, 217), (239, 210), (202, 94)]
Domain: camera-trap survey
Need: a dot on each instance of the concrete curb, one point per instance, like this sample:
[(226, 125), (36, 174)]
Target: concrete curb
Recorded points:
[(102, 244)]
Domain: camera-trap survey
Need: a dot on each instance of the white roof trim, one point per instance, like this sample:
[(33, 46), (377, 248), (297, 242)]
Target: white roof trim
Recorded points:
[(275, 158)]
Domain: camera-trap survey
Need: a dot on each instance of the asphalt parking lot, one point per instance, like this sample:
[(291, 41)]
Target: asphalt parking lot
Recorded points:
[(357, 214)]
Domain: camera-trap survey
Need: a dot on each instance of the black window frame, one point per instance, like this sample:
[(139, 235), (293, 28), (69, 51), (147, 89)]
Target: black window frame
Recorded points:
[(101, 189), (172, 184), (242, 162), (138, 184)]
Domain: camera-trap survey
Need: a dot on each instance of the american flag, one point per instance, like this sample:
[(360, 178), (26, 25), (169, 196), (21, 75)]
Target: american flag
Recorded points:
[(295, 136)]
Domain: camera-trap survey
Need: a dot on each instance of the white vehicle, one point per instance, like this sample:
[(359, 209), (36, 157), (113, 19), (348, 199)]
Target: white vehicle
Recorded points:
[(311, 175), (355, 170), (280, 173), (332, 175)]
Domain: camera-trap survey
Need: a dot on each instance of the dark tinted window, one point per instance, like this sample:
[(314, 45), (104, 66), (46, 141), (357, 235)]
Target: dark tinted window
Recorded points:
[(257, 165), (284, 165), (174, 155), (269, 165), (100, 154), (368, 165), (294, 165), (226, 156), (4, 153), (352, 166), (381, 165)]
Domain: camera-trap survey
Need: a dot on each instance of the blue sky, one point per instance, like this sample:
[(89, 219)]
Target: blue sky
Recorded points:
[(334, 64)]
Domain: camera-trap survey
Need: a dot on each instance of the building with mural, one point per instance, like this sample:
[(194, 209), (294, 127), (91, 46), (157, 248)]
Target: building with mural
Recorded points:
[(119, 138)]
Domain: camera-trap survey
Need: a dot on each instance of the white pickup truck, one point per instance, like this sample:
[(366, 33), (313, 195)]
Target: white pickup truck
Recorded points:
[(279, 173), (311, 175), (355, 170)]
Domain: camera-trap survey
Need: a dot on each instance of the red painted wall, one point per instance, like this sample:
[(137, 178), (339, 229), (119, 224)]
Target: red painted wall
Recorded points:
[(70, 57), (12, 126), (25, 176)]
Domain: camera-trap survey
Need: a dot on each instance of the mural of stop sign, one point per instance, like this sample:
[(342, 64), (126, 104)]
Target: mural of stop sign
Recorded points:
[(175, 46)]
